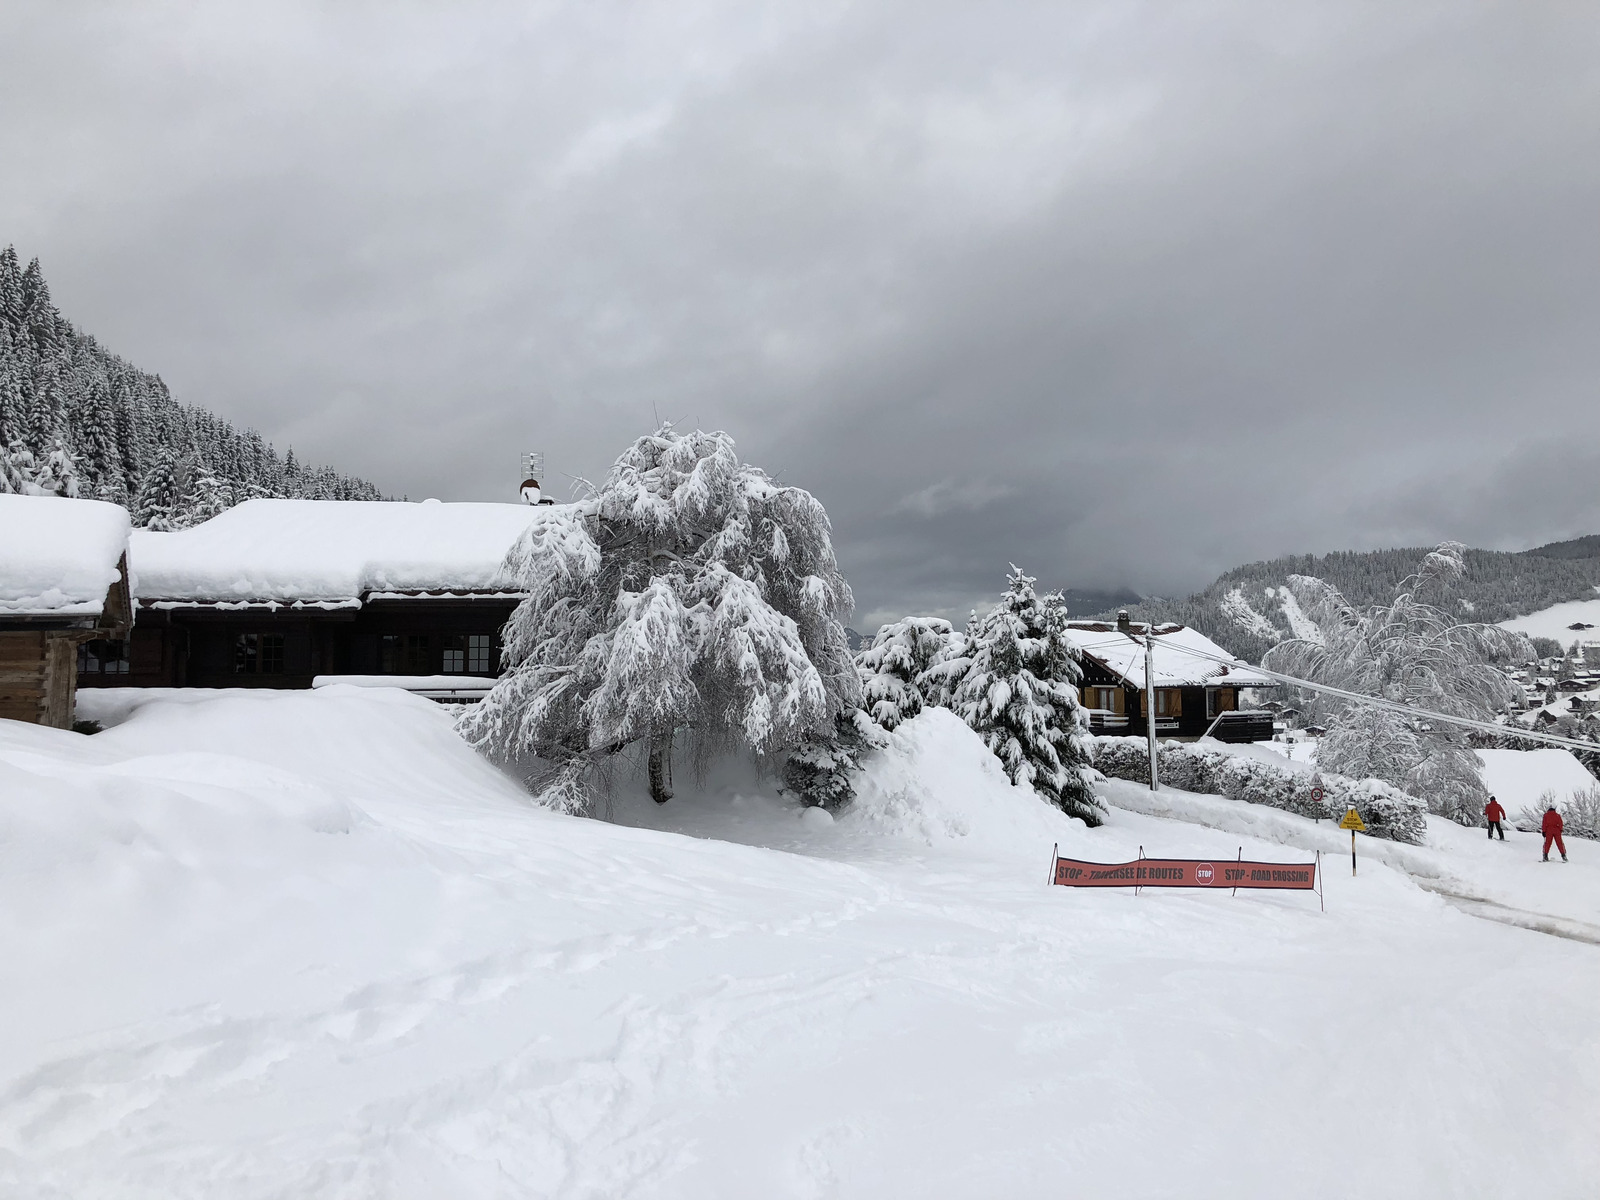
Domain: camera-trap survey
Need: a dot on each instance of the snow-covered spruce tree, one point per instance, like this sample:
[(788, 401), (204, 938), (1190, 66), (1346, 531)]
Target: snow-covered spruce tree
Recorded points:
[(688, 592), (160, 500), (891, 667), (1016, 684), (1410, 652)]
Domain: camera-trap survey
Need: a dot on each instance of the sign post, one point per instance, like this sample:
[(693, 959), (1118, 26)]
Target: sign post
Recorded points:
[(1353, 822), (1316, 798)]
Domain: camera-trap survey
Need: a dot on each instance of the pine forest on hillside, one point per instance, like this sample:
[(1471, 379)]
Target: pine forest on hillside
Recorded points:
[(77, 420)]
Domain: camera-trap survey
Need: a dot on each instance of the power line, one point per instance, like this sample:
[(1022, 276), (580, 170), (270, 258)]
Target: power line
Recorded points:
[(1379, 702)]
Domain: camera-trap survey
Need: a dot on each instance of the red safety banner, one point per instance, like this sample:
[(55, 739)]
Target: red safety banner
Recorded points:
[(1186, 873)]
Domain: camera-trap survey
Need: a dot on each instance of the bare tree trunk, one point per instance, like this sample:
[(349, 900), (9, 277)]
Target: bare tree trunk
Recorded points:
[(661, 767)]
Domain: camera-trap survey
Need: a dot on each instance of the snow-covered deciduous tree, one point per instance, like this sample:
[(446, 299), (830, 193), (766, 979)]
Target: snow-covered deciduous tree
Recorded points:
[(1415, 654), (1015, 682), (688, 592), (893, 665)]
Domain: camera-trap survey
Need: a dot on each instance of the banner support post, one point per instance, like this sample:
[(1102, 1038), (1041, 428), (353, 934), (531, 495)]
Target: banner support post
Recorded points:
[(1241, 859), (1055, 857), (1320, 900)]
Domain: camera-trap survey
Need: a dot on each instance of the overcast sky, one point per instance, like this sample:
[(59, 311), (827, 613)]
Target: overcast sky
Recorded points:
[(1127, 294)]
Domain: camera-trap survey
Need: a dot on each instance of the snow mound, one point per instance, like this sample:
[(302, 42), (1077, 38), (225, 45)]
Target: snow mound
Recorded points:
[(937, 783), (138, 812), (59, 555)]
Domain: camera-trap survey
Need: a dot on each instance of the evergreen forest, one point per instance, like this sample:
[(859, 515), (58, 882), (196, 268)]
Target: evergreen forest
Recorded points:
[(77, 420)]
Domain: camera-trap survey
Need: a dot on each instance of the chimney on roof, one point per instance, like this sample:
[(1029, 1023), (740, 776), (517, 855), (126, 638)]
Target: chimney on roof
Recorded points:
[(1123, 624)]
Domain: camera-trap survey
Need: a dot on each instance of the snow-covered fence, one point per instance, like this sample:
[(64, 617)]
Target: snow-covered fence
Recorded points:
[(1580, 814), (1387, 811)]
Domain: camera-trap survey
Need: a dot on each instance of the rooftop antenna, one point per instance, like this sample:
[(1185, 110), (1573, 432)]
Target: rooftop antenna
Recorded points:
[(532, 472)]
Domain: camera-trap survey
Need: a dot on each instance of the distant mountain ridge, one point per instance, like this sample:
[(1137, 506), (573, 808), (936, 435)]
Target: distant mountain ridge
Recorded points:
[(1249, 609), (77, 420)]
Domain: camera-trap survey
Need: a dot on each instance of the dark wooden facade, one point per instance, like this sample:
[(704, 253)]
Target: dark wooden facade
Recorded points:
[(216, 646)]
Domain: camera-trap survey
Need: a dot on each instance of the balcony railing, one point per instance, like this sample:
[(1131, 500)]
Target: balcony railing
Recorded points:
[(1103, 720)]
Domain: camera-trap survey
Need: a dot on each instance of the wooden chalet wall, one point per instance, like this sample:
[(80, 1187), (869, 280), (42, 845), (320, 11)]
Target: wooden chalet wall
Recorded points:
[(39, 676)]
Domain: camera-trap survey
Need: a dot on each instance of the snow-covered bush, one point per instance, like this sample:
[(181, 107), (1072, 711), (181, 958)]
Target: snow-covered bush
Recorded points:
[(1386, 811), (1015, 683), (891, 667), (1580, 814), (688, 592), (1412, 653)]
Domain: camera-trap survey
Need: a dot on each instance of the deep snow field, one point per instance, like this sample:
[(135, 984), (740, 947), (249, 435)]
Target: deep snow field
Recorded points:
[(307, 944)]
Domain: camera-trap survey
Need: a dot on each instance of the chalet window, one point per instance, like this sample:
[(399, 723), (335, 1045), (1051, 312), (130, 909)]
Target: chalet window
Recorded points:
[(391, 654), (258, 654), (1167, 702), (1103, 698), (467, 653), (103, 657)]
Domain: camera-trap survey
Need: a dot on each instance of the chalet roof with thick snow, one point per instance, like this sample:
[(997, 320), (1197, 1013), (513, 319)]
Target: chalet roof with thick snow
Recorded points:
[(1182, 657), (58, 557), (331, 553)]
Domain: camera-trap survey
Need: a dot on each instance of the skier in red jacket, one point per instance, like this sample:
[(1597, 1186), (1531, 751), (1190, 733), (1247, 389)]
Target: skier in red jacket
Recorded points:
[(1551, 828), (1495, 814)]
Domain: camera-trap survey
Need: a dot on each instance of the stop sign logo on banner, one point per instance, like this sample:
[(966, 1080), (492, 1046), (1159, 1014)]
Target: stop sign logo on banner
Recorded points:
[(1204, 874)]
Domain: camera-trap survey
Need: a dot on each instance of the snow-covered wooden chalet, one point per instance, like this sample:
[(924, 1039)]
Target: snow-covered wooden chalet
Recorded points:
[(288, 593), (1196, 683), (63, 594)]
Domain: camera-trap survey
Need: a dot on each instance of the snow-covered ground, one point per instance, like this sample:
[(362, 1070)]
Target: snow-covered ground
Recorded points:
[(1519, 778), (307, 944), (1553, 622)]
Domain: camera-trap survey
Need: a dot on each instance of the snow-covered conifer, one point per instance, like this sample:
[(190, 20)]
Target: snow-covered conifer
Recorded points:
[(204, 498), (160, 503), (1016, 684), (1415, 654), (688, 592), (59, 476), (891, 667)]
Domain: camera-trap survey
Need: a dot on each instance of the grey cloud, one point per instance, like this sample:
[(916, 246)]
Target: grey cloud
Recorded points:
[(1125, 294)]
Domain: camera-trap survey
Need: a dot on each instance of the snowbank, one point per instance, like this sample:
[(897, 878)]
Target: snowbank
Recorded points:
[(58, 556), (937, 783), (308, 944), (332, 550), (934, 787)]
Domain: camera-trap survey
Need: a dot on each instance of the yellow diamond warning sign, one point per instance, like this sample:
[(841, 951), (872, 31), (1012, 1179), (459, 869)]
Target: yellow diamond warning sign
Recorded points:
[(1352, 820)]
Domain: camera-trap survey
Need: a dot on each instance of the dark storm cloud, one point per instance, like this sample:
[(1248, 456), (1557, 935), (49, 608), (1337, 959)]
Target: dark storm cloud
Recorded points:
[(1125, 294)]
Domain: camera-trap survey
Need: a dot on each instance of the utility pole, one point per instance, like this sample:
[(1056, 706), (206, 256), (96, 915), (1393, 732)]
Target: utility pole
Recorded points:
[(1125, 626), (1150, 699)]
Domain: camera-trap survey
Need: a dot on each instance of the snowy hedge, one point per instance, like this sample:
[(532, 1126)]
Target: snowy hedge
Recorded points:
[(1387, 811)]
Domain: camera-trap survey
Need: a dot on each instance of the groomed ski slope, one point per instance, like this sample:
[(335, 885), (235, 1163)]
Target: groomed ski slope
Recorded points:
[(307, 944)]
